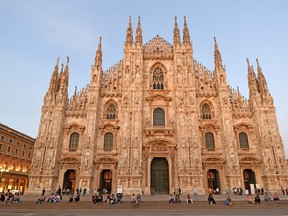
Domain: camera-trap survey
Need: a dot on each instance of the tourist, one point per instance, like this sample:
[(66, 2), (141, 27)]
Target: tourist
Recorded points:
[(211, 199), (170, 199), (267, 198), (228, 201), (276, 198), (250, 199), (133, 198), (189, 199), (195, 193), (40, 199), (257, 199)]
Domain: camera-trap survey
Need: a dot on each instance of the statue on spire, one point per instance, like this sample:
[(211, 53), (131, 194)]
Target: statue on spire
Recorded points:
[(54, 77), (217, 54), (129, 34), (176, 36), (98, 57), (139, 39), (252, 79), (186, 34), (262, 84)]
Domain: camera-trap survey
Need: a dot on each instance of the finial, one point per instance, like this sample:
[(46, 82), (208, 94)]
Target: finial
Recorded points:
[(215, 40), (130, 22), (62, 66), (58, 60), (68, 59), (248, 62), (139, 23), (185, 21), (257, 62), (99, 44), (75, 90)]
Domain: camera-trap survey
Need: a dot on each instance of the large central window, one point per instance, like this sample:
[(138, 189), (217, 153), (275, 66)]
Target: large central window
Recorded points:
[(158, 79)]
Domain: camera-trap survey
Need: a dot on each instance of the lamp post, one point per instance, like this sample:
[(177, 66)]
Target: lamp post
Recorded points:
[(3, 170)]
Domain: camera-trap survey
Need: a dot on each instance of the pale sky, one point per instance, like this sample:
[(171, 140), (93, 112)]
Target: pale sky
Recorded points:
[(34, 33)]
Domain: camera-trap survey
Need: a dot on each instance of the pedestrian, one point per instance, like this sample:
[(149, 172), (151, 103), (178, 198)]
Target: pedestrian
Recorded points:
[(84, 191), (59, 192), (43, 192), (195, 193)]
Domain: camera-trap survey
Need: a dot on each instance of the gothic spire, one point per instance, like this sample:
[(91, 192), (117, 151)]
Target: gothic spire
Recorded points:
[(217, 55), (98, 57), (186, 34), (54, 78), (252, 79), (129, 34), (139, 40), (64, 77), (176, 36), (262, 84)]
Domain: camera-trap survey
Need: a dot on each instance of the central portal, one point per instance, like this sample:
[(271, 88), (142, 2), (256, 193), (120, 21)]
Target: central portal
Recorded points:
[(159, 176)]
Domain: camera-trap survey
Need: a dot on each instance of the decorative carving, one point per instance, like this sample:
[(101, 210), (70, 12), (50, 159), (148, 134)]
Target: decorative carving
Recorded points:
[(75, 128), (159, 147)]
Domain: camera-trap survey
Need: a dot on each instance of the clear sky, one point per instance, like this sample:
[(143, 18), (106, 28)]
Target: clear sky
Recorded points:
[(34, 33)]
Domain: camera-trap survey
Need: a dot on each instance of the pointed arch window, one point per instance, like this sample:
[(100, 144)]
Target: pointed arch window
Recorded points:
[(158, 79), (74, 142), (158, 116), (108, 142), (206, 112), (110, 110), (243, 139), (209, 141)]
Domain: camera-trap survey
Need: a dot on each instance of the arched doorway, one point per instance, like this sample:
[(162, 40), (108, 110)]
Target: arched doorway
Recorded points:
[(69, 180), (213, 180), (106, 180), (160, 176), (249, 178)]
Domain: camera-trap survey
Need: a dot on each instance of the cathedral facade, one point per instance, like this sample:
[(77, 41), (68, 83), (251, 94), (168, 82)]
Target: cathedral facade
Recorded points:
[(155, 121)]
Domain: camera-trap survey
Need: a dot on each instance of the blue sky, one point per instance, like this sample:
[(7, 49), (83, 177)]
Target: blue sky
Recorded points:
[(34, 33)]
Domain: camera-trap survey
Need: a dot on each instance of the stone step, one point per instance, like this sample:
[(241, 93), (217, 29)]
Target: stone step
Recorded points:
[(144, 204)]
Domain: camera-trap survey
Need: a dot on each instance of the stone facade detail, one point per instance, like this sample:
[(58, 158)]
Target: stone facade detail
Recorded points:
[(158, 109)]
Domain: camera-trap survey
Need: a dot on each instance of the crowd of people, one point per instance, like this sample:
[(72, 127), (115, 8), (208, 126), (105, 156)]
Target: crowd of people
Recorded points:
[(97, 197), (9, 198)]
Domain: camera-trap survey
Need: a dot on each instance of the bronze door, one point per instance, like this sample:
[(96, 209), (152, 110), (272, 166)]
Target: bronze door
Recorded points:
[(159, 176)]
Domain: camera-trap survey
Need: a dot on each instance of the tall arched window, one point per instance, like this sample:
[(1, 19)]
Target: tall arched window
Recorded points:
[(206, 112), (158, 116), (74, 142), (108, 142), (158, 79), (209, 141), (243, 139), (110, 110)]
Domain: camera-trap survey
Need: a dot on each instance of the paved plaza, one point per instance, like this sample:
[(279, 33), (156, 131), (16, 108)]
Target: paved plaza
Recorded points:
[(151, 205)]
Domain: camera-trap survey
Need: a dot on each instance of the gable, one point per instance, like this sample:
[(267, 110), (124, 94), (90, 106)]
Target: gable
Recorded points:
[(158, 48)]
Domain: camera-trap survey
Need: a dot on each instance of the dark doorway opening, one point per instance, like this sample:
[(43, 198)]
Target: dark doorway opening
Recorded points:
[(106, 181), (249, 178), (213, 180), (159, 176), (69, 180)]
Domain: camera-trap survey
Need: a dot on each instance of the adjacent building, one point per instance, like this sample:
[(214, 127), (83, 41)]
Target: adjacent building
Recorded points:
[(158, 120), (16, 152)]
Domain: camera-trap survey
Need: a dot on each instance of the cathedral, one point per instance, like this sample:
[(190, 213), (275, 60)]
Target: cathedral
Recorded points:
[(155, 121)]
